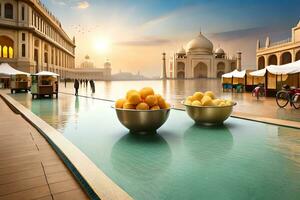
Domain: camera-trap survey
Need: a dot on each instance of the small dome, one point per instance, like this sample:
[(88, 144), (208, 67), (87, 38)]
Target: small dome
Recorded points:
[(200, 44), (219, 51), (107, 64), (181, 51)]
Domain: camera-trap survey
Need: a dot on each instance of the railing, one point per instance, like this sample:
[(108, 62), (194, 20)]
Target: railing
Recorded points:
[(277, 43)]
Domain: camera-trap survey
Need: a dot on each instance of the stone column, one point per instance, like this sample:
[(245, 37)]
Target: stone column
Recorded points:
[(164, 71), (239, 61)]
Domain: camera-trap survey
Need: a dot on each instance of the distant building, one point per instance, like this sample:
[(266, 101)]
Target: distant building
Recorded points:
[(88, 70), (199, 60), (32, 39), (280, 52), (87, 63)]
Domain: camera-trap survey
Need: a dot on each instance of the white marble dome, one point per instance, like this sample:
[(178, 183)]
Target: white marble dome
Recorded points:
[(219, 51), (181, 51), (200, 44)]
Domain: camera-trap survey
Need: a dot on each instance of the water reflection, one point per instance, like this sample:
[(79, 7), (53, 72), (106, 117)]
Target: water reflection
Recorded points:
[(208, 143), (141, 157)]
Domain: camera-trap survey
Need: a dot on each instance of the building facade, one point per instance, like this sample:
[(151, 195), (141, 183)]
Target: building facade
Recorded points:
[(280, 52), (88, 71), (33, 40), (199, 60)]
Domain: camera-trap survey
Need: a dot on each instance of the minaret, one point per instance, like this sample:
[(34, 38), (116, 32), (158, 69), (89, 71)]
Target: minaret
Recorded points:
[(164, 72), (239, 61)]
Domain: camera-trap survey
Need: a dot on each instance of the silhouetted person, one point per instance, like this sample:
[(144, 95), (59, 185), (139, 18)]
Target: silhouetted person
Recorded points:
[(65, 82), (76, 86), (80, 82), (92, 83), (86, 83)]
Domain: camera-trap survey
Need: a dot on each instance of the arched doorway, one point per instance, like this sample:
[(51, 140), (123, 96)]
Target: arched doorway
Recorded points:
[(180, 75), (200, 71), (297, 57), (220, 69), (261, 62), (286, 57), (272, 60), (180, 70), (6, 47)]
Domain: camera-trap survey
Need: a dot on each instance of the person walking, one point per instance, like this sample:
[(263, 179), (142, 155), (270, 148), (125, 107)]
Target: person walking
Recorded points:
[(76, 86), (92, 83)]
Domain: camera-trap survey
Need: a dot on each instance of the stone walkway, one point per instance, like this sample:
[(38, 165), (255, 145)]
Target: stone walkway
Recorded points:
[(29, 167)]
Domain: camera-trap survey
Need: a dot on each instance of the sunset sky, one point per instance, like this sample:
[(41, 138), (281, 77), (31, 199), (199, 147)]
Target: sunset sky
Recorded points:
[(134, 33)]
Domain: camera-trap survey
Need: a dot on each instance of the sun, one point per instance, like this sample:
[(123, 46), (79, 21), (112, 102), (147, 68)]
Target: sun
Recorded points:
[(102, 45)]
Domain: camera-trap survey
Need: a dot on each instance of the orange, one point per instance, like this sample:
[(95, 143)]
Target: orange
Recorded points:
[(119, 103), (142, 106), (151, 100), (146, 91)]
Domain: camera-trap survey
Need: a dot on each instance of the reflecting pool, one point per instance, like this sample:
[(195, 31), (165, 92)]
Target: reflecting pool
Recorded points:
[(239, 160)]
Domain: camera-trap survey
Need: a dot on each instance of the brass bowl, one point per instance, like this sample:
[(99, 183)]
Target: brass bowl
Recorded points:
[(209, 115), (142, 120)]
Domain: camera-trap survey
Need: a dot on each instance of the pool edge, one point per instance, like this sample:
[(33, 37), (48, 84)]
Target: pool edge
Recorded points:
[(76, 161)]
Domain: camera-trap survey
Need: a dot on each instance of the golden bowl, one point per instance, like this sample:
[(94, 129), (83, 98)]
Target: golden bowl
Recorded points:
[(209, 115), (142, 120)]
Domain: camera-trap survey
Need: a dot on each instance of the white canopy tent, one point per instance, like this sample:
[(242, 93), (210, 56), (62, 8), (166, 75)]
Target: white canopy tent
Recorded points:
[(235, 74), (290, 68), (46, 73), (6, 69)]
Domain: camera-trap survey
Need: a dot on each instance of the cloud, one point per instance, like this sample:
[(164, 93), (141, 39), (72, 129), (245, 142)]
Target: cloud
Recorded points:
[(82, 5), (144, 42)]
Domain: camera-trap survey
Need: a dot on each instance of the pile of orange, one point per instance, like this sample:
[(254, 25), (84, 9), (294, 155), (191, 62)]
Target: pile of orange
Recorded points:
[(145, 99)]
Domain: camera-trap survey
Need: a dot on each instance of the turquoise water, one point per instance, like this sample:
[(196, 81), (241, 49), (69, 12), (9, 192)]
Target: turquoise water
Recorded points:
[(240, 160)]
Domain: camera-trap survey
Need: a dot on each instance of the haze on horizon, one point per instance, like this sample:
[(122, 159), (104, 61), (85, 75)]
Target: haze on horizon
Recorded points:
[(132, 34)]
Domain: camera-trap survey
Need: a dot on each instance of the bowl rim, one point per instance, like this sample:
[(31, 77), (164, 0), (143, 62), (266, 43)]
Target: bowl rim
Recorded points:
[(134, 110), (234, 104)]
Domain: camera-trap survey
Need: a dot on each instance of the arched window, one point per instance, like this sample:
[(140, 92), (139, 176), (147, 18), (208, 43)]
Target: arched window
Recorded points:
[(6, 47), (8, 11), (10, 52), (5, 53)]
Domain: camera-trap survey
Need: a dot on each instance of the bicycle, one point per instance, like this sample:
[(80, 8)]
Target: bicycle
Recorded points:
[(288, 95)]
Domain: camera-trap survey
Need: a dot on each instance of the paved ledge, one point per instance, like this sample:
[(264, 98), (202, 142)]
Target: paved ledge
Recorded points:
[(280, 122), (101, 185)]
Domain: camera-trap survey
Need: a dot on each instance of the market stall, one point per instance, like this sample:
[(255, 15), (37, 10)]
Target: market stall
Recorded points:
[(18, 80), (234, 80), (275, 76), (44, 84)]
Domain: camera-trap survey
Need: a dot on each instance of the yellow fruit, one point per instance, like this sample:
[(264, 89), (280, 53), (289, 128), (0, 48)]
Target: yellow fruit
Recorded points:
[(162, 103), (222, 104), (190, 98), (196, 103), (210, 93), (216, 102), (134, 98), (188, 102), (207, 101), (151, 100), (146, 91), (127, 105), (119, 103), (142, 106), (168, 105), (228, 102), (155, 108), (198, 96), (129, 92)]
